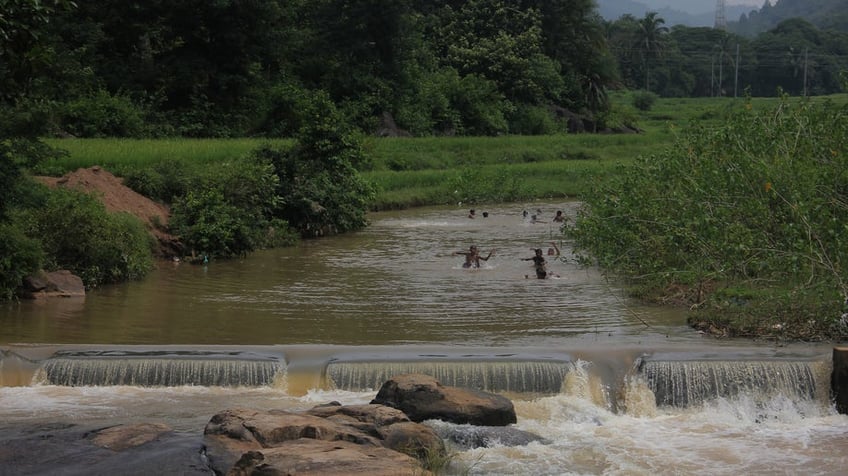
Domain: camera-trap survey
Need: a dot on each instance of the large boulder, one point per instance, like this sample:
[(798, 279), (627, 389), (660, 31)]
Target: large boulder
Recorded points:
[(60, 283), (328, 439), (422, 397)]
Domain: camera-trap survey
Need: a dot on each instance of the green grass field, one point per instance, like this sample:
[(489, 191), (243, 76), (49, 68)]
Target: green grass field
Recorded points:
[(417, 171)]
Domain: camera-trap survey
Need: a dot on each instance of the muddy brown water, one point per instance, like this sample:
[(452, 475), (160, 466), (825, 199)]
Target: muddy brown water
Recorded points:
[(338, 314)]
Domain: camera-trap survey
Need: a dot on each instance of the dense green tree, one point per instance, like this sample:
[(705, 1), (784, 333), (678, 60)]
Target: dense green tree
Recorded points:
[(703, 55), (354, 50), (650, 42), (501, 43), (824, 14), (798, 58), (320, 190), (573, 36), (236, 68)]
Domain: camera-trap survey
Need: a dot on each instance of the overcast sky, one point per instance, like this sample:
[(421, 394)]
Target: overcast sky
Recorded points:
[(753, 3)]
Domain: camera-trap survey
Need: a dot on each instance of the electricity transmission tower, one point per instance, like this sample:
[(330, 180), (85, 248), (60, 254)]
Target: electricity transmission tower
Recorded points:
[(720, 19)]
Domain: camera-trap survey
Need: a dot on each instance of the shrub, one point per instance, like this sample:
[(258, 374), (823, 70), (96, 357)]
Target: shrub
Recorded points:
[(761, 199), (78, 234), (165, 181), (644, 100), (19, 256), (533, 120), (227, 212), (102, 115), (320, 190)]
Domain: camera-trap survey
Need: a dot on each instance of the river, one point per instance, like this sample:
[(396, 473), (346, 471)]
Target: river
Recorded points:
[(616, 387)]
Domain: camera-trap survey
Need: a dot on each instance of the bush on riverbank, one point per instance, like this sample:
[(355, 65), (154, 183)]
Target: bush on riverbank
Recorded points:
[(74, 231), (750, 217), (272, 195)]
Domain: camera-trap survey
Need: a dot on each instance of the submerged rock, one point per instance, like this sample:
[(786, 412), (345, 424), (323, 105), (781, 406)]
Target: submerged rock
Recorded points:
[(121, 437), (470, 436)]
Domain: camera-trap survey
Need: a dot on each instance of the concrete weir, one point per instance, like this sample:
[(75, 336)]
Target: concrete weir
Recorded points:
[(521, 376), (839, 379), (674, 378), (684, 383)]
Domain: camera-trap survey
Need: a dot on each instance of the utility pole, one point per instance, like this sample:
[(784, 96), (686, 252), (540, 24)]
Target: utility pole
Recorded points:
[(720, 19), (712, 76), (806, 50), (736, 72)]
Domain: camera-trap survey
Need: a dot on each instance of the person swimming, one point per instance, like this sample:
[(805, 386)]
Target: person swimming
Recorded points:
[(472, 257)]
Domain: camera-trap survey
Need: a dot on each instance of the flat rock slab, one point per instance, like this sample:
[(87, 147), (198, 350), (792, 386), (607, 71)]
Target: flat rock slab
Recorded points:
[(326, 458), (71, 450)]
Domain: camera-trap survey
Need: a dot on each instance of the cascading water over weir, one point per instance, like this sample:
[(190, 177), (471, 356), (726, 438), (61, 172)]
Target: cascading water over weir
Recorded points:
[(674, 380)]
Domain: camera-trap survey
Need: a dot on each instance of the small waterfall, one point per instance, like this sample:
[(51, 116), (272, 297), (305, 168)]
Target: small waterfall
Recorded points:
[(543, 377), (156, 372), (684, 383)]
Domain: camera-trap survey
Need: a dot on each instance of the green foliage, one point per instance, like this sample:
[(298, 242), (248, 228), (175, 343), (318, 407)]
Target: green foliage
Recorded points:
[(760, 199), (78, 234), (320, 189), (16, 156), (427, 109), (165, 181), (19, 256), (101, 115), (23, 24), (227, 211), (490, 186), (210, 226), (533, 120), (805, 314), (447, 103), (644, 100)]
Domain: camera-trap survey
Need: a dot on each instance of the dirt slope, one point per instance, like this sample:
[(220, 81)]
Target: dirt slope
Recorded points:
[(117, 197)]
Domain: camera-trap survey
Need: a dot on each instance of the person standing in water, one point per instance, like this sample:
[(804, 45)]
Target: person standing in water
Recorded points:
[(472, 257), (559, 218), (538, 263)]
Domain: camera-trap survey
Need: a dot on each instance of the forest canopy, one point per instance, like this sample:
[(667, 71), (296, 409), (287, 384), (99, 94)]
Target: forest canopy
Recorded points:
[(231, 68)]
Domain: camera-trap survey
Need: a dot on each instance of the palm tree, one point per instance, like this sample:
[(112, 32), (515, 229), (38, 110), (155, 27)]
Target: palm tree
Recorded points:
[(650, 40)]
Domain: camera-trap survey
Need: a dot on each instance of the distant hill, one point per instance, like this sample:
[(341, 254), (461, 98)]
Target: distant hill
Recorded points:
[(684, 12), (824, 14)]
